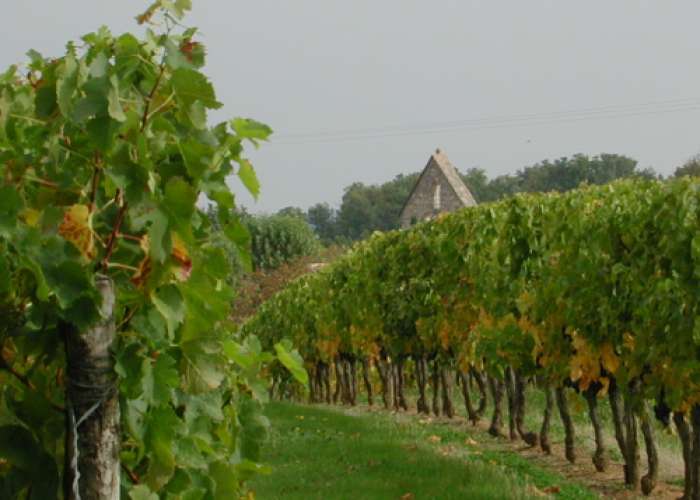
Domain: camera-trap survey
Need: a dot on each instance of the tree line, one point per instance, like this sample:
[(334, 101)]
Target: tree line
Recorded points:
[(368, 208)]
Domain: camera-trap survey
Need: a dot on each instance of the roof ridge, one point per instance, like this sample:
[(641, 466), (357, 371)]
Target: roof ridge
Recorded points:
[(453, 178), (440, 160)]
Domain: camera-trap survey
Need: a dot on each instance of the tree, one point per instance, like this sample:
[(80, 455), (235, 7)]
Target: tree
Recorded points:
[(278, 239), (564, 174), (292, 212), (373, 208), (478, 183), (324, 221), (690, 167)]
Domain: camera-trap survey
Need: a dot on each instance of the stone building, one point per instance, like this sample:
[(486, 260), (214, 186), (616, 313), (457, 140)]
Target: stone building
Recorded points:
[(438, 189)]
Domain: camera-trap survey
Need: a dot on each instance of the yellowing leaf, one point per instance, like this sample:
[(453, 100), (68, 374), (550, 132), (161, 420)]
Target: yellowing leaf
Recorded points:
[(610, 360), (145, 266), (584, 366), (444, 335), (141, 276), (31, 217), (182, 257), (77, 228)]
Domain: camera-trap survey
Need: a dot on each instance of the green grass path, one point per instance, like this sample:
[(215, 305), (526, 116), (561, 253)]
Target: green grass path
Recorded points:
[(320, 453)]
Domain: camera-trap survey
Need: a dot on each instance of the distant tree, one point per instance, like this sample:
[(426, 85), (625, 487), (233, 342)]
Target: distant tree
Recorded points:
[(324, 221), (357, 211), (373, 208), (564, 174), (277, 239), (478, 183), (500, 187), (292, 212), (690, 167), (365, 209)]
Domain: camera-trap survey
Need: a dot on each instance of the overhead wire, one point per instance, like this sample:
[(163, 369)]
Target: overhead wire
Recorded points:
[(531, 119)]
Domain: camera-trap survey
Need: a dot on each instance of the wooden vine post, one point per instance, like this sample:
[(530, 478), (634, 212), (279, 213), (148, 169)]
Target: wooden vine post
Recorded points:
[(93, 434)]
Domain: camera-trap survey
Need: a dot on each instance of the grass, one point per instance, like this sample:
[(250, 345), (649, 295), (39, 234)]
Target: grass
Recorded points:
[(668, 444), (669, 447), (325, 453)]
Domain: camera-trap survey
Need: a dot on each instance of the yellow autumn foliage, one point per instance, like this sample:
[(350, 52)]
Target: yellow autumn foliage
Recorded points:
[(76, 228)]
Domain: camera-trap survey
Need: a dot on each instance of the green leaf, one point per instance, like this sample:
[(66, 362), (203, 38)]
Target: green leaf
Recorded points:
[(94, 103), (102, 130), (192, 86), (248, 178), (163, 428), (226, 480), (114, 107), (169, 302), (142, 492), (174, 57), (247, 128), (180, 199), (165, 377), (66, 84), (236, 353), (45, 100), (126, 60), (69, 281), (159, 236), (255, 426), (197, 157), (238, 234), (223, 198), (207, 404), (197, 113), (202, 366), (132, 367), (10, 206), (291, 359), (99, 65), (188, 454)]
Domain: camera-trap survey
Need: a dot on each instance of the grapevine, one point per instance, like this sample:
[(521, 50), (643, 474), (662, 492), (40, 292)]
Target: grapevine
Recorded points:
[(594, 289), (104, 154)]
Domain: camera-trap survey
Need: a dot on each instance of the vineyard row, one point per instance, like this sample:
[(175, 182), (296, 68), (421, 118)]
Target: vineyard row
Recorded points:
[(596, 289)]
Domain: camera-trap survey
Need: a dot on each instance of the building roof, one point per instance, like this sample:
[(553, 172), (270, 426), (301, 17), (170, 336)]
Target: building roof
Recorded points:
[(461, 190), (440, 160)]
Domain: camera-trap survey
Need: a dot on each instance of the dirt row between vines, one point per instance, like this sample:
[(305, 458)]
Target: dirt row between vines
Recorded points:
[(608, 484)]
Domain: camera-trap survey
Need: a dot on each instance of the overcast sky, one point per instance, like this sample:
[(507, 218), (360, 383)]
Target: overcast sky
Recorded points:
[(363, 90)]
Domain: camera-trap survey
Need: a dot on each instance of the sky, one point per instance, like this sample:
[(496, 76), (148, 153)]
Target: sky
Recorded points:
[(363, 90)]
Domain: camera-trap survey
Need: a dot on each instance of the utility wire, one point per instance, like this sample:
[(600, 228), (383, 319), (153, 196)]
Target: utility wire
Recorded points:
[(597, 113), (597, 109)]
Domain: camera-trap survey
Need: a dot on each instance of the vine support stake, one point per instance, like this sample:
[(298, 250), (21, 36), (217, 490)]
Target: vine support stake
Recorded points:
[(93, 435)]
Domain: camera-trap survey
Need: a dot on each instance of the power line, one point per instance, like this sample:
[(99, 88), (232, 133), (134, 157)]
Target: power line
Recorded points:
[(607, 108), (597, 113)]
